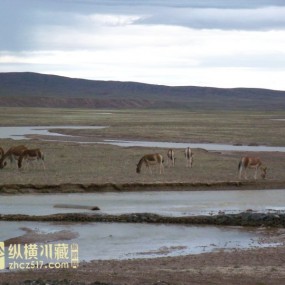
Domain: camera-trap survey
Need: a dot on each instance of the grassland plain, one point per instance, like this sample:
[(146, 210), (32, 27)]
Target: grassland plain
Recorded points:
[(68, 162)]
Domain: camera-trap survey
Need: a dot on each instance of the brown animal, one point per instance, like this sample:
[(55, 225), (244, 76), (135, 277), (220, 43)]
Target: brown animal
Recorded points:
[(150, 160), (12, 154), (30, 155), (251, 162)]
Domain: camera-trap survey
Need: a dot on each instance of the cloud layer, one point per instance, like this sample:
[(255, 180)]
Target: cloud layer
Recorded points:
[(211, 43)]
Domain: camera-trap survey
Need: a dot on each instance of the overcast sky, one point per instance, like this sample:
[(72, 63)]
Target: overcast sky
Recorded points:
[(220, 43)]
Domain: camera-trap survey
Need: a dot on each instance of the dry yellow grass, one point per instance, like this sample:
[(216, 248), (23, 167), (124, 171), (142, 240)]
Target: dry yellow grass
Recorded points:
[(98, 163)]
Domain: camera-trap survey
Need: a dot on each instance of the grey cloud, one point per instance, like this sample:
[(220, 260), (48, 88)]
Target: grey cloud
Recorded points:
[(19, 20), (224, 19), (176, 3)]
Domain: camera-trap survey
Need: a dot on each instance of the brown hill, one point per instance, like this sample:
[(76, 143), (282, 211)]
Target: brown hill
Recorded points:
[(39, 90)]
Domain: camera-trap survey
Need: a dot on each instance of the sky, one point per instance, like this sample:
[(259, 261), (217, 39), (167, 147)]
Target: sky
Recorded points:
[(215, 43)]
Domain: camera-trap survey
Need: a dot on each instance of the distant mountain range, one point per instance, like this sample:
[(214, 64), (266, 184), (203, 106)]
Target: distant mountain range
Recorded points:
[(26, 89)]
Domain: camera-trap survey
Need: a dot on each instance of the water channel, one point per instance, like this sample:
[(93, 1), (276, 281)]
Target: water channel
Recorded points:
[(122, 241), (20, 133), (49, 132), (99, 241), (168, 203)]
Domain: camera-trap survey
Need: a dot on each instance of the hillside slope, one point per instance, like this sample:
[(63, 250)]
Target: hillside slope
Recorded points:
[(39, 90)]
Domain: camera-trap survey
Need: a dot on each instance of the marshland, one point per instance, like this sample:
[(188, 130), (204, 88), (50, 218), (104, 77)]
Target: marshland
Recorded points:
[(82, 160)]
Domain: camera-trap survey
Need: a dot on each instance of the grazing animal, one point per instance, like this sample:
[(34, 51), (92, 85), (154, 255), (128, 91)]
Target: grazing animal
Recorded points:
[(30, 155), (170, 157), (189, 157), (12, 154), (251, 162), (151, 160)]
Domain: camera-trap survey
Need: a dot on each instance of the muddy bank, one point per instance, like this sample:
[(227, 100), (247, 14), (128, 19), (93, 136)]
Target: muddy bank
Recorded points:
[(248, 218), (41, 281), (251, 267), (167, 186), (33, 236)]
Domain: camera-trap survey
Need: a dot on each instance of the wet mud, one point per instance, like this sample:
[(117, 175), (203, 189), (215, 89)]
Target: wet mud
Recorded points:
[(245, 219), (131, 187), (35, 236)]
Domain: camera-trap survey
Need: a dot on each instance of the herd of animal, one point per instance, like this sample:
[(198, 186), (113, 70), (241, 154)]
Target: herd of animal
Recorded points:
[(245, 162), (20, 154), (157, 159)]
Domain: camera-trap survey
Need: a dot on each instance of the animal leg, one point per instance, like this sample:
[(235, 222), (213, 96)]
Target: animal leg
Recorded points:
[(161, 168), (240, 172), (245, 174), (255, 174), (25, 164), (43, 164)]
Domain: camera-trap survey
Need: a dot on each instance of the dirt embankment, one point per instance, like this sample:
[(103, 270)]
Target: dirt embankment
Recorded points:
[(248, 218), (131, 187)]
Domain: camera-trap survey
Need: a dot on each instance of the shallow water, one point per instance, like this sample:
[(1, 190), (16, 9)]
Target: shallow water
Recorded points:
[(122, 241), (20, 133), (170, 203), (46, 132), (207, 146)]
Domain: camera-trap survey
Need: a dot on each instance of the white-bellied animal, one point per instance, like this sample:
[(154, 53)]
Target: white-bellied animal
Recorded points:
[(151, 160), (170, 157), (251, 162), (189, 157), (31, 155), (13, 154)]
